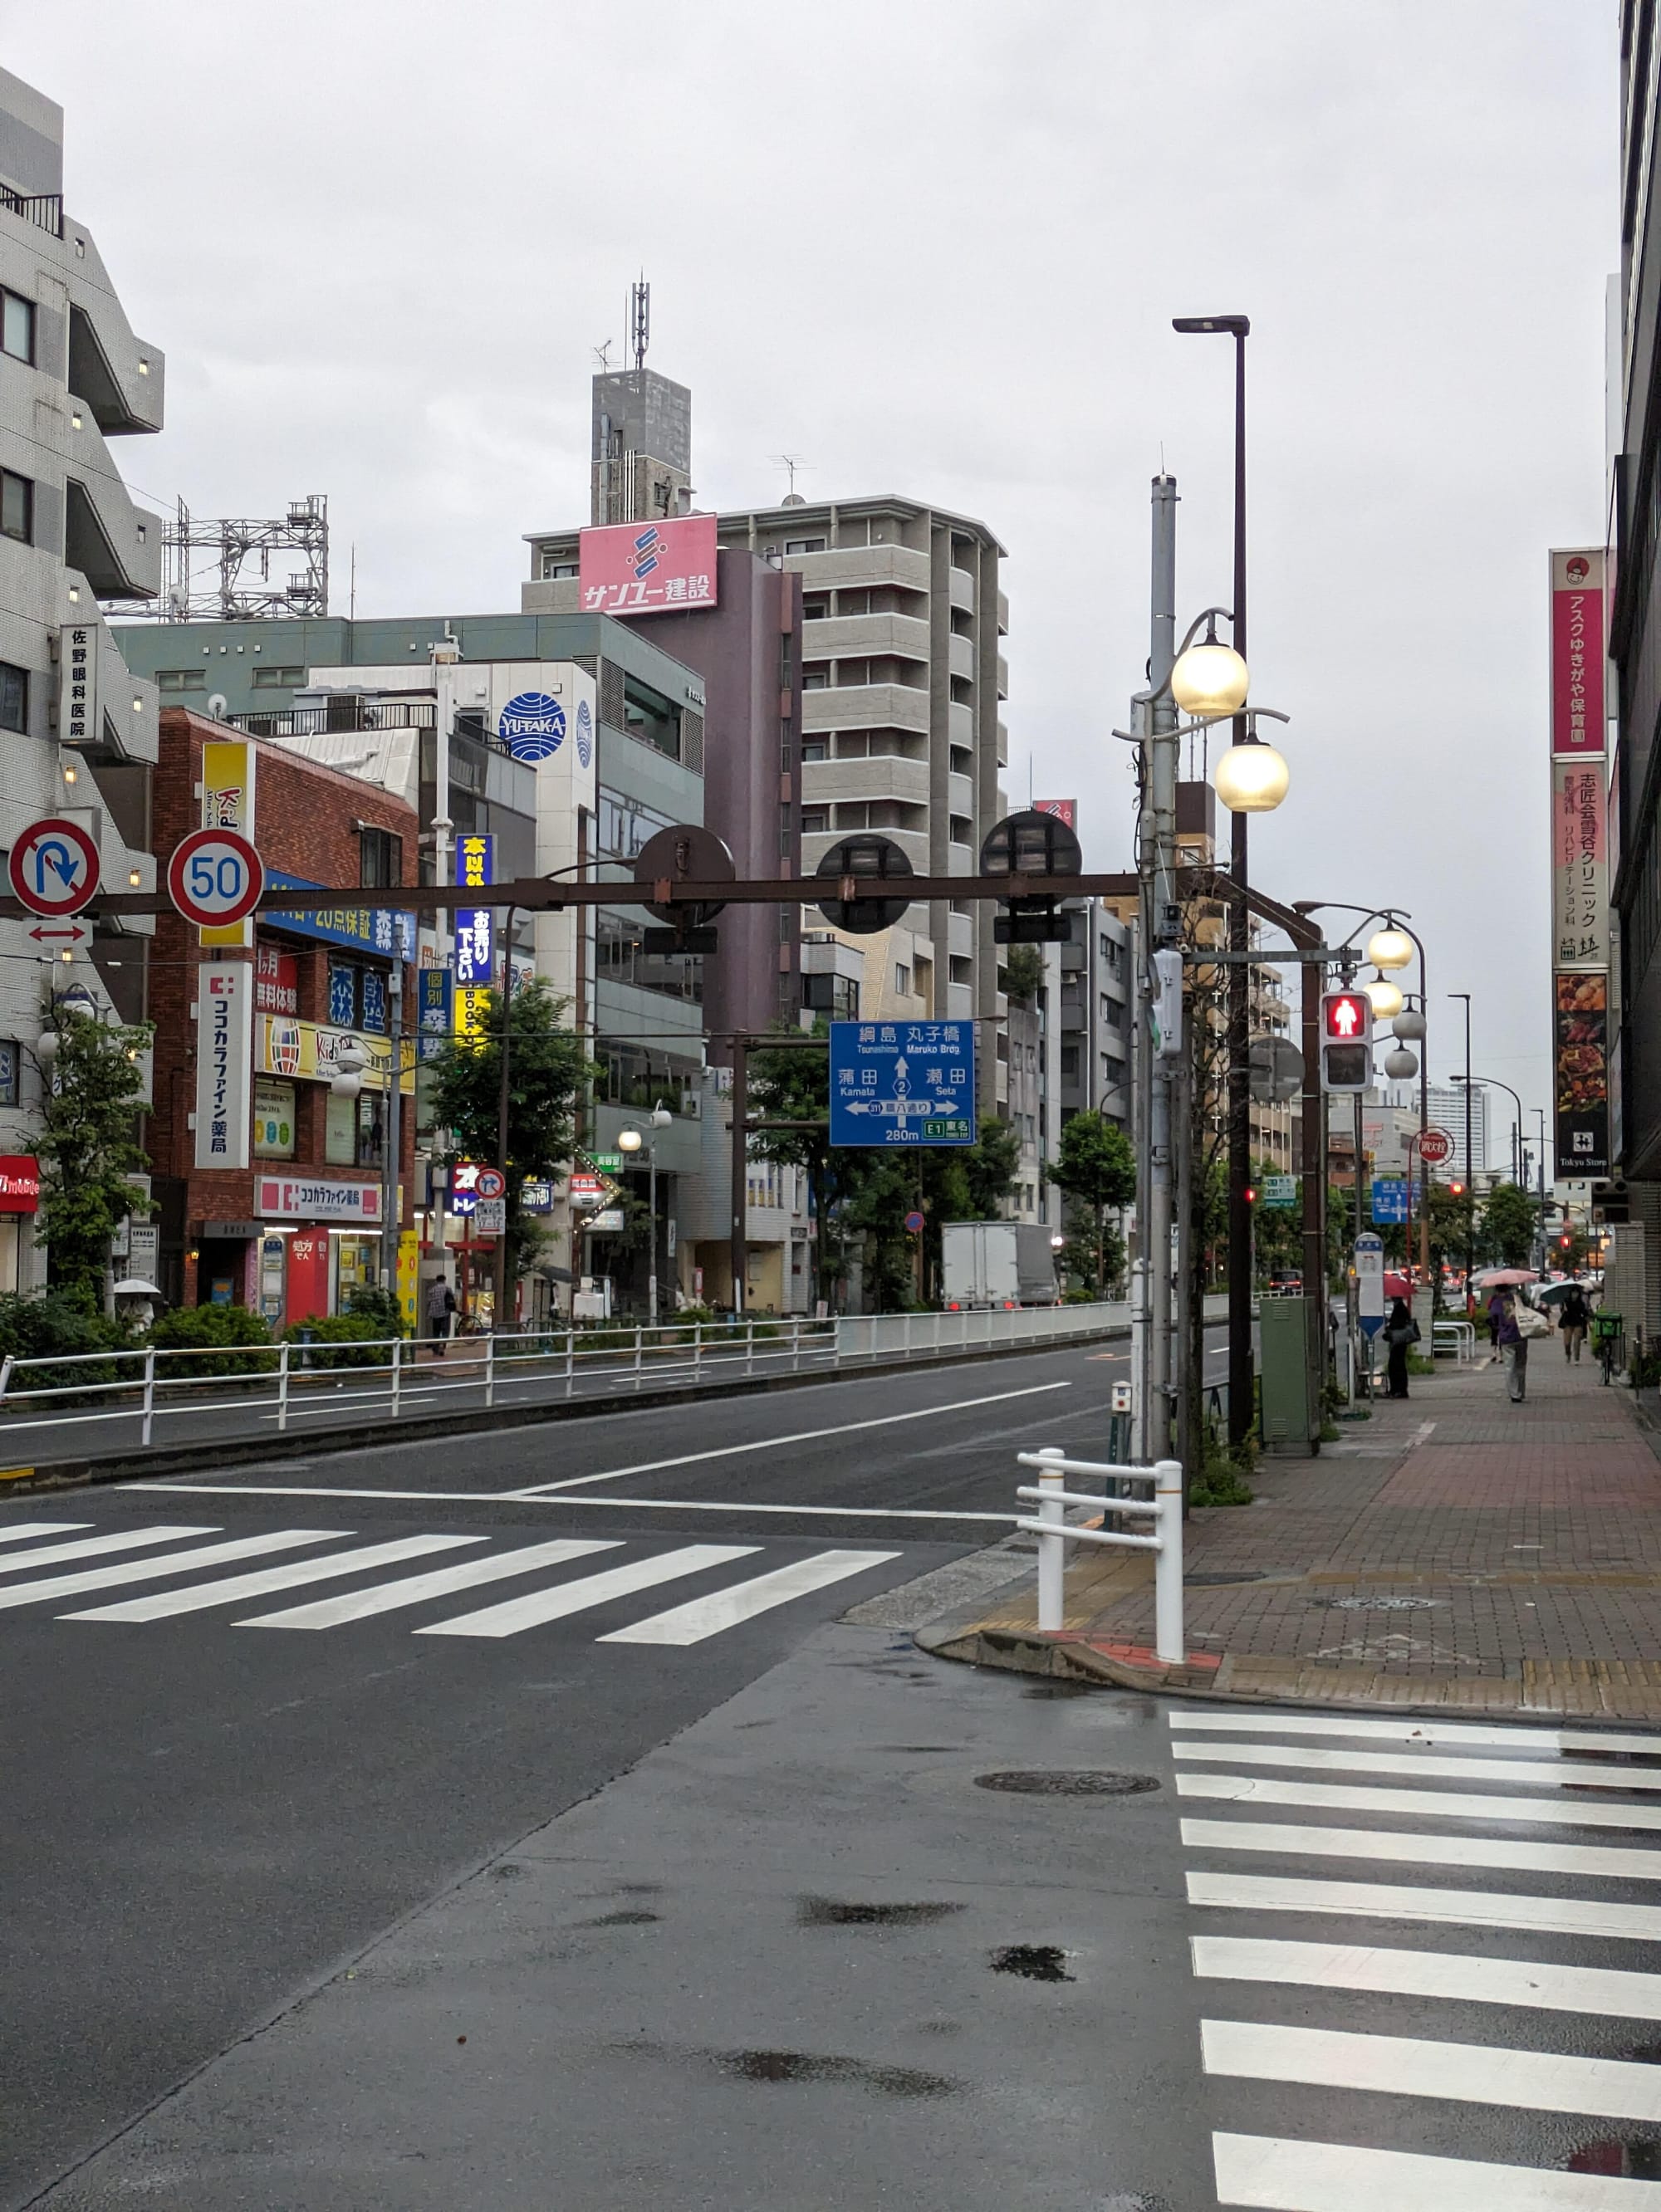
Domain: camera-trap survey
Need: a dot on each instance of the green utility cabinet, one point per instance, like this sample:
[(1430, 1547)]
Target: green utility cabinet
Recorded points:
[(1291, 1414)]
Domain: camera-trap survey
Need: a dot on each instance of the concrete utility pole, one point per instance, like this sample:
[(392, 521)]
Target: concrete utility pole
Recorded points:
[(1161, 929), (392, 1136)]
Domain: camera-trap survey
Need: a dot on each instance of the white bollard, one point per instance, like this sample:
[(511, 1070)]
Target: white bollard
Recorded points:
[(1169, 1645), (1052, 1550)]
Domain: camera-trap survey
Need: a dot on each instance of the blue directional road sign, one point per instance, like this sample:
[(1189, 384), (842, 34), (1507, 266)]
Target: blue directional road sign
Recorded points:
[(902, 1083)]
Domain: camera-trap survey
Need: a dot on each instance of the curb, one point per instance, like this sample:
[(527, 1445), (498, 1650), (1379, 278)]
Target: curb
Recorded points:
[(369, 1433)]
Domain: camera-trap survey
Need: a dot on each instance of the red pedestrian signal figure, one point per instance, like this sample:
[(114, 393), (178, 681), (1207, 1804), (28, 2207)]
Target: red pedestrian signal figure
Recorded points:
[(1346, 1041)]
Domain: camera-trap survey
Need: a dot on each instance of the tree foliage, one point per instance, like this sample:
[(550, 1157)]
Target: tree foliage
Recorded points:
[(1509, 1220), (1097, 1168), (88, 1149), (548, 1072)]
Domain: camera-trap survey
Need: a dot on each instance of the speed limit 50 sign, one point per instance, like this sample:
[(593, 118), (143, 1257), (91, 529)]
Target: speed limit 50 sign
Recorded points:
[(215, 878)]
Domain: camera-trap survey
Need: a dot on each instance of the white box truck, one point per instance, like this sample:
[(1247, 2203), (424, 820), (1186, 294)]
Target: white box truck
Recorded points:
[(995, 1264)]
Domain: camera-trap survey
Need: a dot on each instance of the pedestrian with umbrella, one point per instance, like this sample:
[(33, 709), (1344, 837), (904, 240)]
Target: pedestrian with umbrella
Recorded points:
[(1573, 1317), (1517, 1322), (1400, 1333)]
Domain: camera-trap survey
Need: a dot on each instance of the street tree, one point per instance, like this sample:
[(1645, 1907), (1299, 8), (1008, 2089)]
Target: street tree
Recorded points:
[(1509, 1219), (88, 1149), (1096, 1167), (548, 1076)]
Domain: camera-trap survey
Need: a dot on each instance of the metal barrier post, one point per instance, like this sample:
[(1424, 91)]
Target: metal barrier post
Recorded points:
[(1169, 1645), (749, 1347), (282, 1350), (491, 1369), (1052, 1551), (795, 1345), (570, 1359), (6, 1366), (637, 1354), (149, 1390), (398, 1371), (697, 1353)]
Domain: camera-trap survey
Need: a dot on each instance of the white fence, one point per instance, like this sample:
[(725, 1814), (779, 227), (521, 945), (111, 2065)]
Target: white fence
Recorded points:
[(1054, 1533), (879, 1336)]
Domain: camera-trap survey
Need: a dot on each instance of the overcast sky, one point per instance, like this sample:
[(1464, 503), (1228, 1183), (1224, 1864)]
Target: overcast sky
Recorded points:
[(933, 246)]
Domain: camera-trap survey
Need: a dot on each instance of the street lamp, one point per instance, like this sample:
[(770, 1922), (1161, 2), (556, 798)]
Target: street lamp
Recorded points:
[(1390, 947), (1251, 778), (1208, 680), (1241, 1376), (1386, 997), (631, 1141)]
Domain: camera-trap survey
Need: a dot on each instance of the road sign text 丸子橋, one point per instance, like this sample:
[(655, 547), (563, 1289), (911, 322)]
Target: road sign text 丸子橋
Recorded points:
[(902, 1083)]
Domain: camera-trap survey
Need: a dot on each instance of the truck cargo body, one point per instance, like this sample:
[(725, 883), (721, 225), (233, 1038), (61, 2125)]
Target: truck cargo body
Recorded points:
[(996, 1263)]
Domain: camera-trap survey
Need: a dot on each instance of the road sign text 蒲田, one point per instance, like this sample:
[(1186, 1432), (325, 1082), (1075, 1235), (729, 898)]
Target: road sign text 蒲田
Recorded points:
[(902, 1083)]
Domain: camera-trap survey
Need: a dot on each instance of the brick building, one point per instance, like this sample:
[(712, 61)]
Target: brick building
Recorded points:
[(293, 1230)]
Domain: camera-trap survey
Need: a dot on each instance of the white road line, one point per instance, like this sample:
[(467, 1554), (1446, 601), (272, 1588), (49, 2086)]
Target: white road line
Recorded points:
[(1423, 1851), (1411, 2066), (414, 1590), (1278, 2175), (161, 1605), (1458, 1975), (777, 1444), (520, 1613), (176, 1563), (1561, 1774), (1445, 1804), (707, 1616), (87, 1547), (1446, 1908), (629, 1504), (20, 1529), (1522, 1738)]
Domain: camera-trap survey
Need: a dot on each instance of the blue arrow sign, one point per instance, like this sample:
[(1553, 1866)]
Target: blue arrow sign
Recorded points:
[(902, 1083)]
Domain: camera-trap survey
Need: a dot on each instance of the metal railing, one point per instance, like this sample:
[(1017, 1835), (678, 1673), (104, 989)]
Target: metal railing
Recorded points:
[(1055, 1533), (392, 1377), (1462, 1335), (44, 209), (348, 718)]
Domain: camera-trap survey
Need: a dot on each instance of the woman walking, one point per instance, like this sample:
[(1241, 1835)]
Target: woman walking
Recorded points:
[(1400, 1333), (1573, 1317), (1514, 1348)]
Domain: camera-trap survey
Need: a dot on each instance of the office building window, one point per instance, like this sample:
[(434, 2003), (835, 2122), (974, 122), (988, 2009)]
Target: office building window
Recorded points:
[(17, 506), (804, 545), (836, 995), (815, 821), (11, 1057), (815, 749), (188, 679), (902, 979), (380, 859), (16, 326), (816, 678), (274, 679), (815, 606), (14, 697), (553, 567)]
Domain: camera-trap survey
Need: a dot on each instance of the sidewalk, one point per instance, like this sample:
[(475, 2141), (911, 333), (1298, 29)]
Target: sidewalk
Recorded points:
[(1454, 1550)]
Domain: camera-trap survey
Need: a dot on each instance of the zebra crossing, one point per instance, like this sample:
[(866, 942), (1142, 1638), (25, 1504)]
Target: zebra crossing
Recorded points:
[(179, 1556), (1491, 2047)]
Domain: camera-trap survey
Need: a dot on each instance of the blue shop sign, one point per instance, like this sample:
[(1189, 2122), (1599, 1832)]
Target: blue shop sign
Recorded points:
[(434, 1011), (364, 929), (902, 1083)]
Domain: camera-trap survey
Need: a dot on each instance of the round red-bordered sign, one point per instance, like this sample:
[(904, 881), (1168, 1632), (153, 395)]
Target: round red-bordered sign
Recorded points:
[(1435, 1146), (491, 1183), (54, 867), (215, 878)]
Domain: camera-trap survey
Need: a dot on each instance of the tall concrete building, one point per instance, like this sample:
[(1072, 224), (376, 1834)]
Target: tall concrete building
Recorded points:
[(78, 733)]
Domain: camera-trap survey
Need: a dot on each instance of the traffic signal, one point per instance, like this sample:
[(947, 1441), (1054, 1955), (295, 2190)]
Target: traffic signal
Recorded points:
[(1567, 1241), (1252, 1194), (1346, 1040), (1455, 1190)]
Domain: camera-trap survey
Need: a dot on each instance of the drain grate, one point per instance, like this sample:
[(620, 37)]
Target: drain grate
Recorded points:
[(1068, 1782)]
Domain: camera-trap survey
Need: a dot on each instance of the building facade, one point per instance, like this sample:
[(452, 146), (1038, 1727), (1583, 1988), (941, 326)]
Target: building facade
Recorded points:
[(78, 733)]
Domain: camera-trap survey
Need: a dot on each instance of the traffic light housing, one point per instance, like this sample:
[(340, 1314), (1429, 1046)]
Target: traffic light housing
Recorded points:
[(1346, 1041)]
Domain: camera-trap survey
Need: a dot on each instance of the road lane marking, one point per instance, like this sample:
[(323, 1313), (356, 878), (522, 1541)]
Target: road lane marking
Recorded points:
[(516, 1614), (565, 1498), (1462, 1977), (1563, 1774), (18, 1530), (145, 1570), (776, 1444), (162, 1605), (1429, 1732), (1413, 2066), (416, 1589), (1278, 2175), (1507, 1851), (1448, 1908), (1446, 1804), (125, 1539), (708, 1616)]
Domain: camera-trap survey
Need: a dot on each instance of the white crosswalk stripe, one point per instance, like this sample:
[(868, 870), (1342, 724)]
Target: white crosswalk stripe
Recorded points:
[(1342, 2063), (162, 1554)]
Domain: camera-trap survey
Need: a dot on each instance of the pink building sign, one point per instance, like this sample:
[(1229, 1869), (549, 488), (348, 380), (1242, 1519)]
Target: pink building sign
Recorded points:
[(1577, 652), (648, 567)]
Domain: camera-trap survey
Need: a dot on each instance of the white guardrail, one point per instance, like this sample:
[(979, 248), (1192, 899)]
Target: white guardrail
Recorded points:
[(1055, 1533), (393, 1375), (1463, 1336)]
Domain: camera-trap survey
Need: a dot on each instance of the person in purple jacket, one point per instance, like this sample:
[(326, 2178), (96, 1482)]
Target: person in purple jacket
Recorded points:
[(1513, 1348)]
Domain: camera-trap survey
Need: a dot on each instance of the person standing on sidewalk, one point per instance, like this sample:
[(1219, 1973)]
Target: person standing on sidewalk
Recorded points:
[(1514, 1348), (1573, 1318), (1496, 1315), (440, 1305), (1400, 1333)]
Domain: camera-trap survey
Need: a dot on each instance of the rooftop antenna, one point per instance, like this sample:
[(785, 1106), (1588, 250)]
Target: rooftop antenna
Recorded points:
[(640, 318), (790, 463), (603, 356)]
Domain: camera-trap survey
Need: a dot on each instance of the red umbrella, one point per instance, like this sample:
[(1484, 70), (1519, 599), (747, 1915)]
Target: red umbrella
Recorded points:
[(1396, 1285)]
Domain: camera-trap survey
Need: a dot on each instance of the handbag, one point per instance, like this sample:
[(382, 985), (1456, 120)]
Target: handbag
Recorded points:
[(1529, 1322)]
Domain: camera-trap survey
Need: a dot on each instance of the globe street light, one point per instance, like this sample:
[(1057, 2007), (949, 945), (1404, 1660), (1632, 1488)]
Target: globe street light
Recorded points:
[(1386, 997), (1209, 680), (631, 1141), (1390, 947), (1252, 778)]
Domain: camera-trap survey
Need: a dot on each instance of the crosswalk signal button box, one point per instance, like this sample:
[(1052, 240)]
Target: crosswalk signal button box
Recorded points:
[(1346, 1041)]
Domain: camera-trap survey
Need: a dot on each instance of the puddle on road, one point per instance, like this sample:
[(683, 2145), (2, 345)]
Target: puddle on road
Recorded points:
[(1634, 2156), (829, 1912), (810, 2066), (1068, 1782), (1033, 1962), (1059, 1690), (623, 1920)]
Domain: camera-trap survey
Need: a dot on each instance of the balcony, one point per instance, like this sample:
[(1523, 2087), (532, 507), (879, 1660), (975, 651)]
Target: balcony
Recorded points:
[(349, 712), (116, 545), (960, 795), (1003, 678), (887, 776), (866, 707), (861, 636), (960, 586), (44, 209), (911, 842), (960, 724), (963, 657), (119, 377), (853, 567)]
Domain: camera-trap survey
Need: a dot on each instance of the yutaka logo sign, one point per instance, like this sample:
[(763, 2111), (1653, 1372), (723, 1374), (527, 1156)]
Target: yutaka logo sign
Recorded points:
[(533, 726), (585, 733)]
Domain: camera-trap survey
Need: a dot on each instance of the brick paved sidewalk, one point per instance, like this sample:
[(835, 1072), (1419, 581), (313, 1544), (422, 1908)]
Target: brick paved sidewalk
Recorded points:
[(1456, 1549)]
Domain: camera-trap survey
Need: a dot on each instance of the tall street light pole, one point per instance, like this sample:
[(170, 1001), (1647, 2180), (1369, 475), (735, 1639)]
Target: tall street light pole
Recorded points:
[(1241, 1408), (1492, 1083), (1470, 1180)]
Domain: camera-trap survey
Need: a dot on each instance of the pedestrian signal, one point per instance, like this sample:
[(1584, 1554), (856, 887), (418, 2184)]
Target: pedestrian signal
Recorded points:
[(1346, 1041)]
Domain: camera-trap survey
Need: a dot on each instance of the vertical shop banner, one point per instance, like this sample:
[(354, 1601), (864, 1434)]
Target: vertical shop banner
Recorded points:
[(434, 1013), (78, 716), (228, 795), (1577, 652), (1581, 1057), (1581, 1042), (1579, 864), (224, 1065), (475, 938)]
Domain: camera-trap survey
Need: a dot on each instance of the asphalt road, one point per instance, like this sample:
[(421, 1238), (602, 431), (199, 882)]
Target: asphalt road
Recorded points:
[(253, 1724)]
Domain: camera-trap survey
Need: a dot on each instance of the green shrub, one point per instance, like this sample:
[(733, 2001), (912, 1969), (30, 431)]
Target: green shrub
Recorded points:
[(36, 1327), (375, 1303), (199, 1328), (345, 1340)]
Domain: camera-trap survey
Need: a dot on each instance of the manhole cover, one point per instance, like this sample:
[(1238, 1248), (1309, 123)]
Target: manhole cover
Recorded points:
[(1379, 1604), (1068, 1782)]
